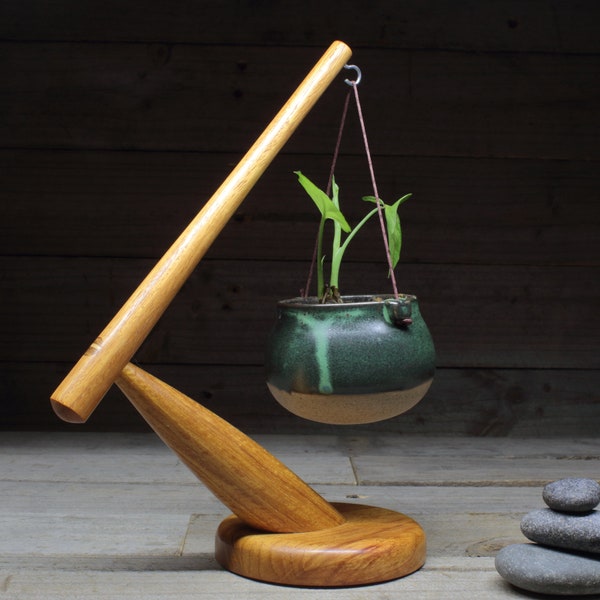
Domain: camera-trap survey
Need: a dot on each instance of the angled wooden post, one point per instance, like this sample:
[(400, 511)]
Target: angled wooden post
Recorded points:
[(80, 392)]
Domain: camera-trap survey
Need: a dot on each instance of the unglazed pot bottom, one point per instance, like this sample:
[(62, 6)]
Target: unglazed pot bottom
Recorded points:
[(350, 409), (365, 359)]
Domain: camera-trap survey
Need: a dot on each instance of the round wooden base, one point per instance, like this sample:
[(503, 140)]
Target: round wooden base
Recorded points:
[(372, 546)]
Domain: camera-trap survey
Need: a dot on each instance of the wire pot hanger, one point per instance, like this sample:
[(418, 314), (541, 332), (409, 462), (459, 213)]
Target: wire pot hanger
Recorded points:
[(354, 88)]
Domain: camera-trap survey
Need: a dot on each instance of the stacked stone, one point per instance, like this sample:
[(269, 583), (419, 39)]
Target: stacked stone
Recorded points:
[(565, 556)]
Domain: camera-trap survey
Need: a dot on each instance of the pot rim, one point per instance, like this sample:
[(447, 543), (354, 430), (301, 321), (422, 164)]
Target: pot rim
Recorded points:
[(348, 300)]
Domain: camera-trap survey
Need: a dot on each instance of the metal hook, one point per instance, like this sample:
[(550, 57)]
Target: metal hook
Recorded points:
[(358, 75)]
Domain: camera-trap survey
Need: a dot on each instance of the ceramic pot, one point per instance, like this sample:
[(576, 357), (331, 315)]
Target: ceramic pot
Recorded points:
[(366, 359)]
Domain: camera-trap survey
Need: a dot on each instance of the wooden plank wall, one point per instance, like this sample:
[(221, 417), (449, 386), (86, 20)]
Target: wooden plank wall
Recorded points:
[(119, 119)]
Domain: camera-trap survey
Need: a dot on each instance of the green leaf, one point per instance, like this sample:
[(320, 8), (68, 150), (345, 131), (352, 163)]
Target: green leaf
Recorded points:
[(397, 203), (394, 229), (324, 203), (403, 199), (335, 192)]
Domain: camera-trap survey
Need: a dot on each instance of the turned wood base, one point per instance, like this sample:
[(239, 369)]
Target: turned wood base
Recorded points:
[(372, 546)]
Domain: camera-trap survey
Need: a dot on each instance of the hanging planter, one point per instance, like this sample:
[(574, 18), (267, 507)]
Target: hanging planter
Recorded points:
[(350, 359), (365, 359)]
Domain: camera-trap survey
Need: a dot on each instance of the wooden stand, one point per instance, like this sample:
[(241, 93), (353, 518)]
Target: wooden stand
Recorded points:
[(282, 531), (372, 546)]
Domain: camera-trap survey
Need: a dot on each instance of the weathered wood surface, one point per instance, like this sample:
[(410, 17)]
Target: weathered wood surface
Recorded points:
[(522, 25), (118, 121), (116, 516), (479, 316), (486, 211), (472, 402), (214, 99)]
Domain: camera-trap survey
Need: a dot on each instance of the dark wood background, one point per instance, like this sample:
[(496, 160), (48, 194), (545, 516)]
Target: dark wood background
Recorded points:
[(119, 119)]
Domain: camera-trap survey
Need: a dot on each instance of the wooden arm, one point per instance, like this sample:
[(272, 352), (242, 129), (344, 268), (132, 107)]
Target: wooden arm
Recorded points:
[(80, 392)]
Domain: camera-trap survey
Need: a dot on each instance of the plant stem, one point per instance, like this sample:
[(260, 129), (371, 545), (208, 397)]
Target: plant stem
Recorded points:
[(320, 277), (338, 254), (337, 239)]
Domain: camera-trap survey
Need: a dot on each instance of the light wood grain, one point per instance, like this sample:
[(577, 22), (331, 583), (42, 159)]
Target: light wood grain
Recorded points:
[(372, 546), (281, 531), (245, 477), (81, 391)]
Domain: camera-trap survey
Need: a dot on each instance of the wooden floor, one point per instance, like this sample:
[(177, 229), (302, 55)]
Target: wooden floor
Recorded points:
[(118, 516)]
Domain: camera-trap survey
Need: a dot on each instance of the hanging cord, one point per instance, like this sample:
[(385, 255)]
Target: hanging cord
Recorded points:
[(354, 86), (338, 143), (336, 153)]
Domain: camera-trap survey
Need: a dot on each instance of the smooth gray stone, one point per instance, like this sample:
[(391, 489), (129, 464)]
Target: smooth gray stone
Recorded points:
[(561, 530), (572, 494), (549, 571)]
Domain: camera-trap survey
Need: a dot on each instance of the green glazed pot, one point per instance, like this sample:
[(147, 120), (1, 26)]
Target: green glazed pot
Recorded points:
[(366, 359)]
